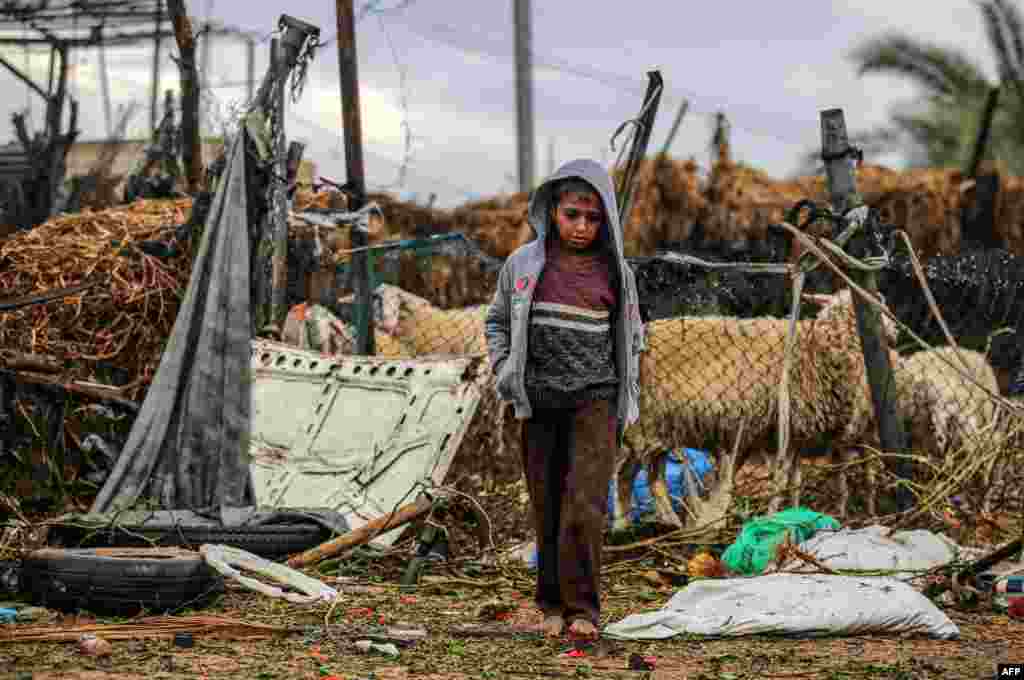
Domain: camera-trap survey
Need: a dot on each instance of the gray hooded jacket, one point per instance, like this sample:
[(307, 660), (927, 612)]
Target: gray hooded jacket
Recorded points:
[(507, 324)]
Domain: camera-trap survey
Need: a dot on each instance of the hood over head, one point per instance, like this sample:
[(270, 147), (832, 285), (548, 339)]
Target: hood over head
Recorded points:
[(591, 172)]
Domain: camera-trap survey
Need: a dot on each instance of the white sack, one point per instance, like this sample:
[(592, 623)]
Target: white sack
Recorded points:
[(790, 604)]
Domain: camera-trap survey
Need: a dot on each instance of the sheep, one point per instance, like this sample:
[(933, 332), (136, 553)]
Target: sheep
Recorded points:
[(726, 370), (942, 409), (426, 329), (330, 335)]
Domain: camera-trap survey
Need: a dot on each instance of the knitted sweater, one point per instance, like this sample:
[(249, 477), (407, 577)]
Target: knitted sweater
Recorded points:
[(570, 352)]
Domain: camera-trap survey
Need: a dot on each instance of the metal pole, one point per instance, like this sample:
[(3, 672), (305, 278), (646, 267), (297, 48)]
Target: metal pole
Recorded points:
[(105, 87), (155, 85), (524, 93), (842, 186), (278, 213), (353, 134), (264, 270), (675, 127), (250, 68), (984, 130), (28, 92)]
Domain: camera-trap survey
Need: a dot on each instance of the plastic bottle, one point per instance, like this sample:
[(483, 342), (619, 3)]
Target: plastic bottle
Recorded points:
[(1006, 589)]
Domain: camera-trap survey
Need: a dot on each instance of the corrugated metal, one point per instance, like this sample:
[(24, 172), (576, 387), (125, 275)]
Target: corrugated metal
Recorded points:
[(355, 434)]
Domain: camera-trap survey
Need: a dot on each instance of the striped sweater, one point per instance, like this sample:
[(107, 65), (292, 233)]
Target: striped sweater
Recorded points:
[(570, 353)]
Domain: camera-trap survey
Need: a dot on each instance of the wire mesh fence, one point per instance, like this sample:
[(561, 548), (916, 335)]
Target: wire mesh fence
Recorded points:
[(715, 352), (714, 358)]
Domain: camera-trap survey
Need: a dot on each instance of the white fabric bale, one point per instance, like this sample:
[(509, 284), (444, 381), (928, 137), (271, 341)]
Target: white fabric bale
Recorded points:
[(873, 548), (790, 604)]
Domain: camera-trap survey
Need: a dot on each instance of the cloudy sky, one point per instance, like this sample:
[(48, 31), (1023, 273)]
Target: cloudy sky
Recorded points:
[(444, 71)]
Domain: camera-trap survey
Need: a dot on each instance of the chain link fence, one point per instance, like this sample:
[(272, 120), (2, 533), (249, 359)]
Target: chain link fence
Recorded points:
[(714, 359)]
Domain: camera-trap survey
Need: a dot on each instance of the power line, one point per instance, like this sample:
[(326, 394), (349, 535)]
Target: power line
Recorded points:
[(615, 81), (336, 154)]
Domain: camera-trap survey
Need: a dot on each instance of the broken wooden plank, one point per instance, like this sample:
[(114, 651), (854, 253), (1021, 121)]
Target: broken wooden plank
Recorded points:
[(363, 534)]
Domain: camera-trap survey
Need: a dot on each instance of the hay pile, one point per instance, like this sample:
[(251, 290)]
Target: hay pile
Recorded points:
[(740, 203), (925, 203), (121, 323), (667, 205)]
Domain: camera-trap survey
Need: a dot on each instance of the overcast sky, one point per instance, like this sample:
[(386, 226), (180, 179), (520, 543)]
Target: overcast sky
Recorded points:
[(770, 66)]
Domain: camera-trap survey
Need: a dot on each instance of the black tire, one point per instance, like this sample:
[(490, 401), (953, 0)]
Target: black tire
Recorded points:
[(118, 580), (265, 540)]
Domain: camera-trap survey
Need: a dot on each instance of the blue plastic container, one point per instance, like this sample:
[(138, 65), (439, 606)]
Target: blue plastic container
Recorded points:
[(643, 502)]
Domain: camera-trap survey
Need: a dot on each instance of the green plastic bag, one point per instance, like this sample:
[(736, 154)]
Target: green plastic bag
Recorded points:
[(755, 546)]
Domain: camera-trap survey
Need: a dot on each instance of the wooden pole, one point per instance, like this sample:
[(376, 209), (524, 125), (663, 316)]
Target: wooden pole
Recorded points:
[(192, 147), (204, 60), (363, 534), (524, 93), (155, 85), (842, 187), (353, 133)]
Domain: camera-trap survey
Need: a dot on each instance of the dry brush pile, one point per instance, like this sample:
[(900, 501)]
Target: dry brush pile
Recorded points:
[(125, 319)]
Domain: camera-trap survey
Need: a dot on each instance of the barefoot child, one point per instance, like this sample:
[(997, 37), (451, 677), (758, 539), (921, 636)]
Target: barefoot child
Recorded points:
[(564, 336)]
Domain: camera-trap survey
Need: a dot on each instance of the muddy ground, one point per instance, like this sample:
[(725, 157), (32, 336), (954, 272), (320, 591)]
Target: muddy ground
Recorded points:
[(321, 641)]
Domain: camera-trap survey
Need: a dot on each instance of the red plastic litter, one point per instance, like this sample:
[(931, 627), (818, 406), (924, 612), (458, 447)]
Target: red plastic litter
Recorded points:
[(576, 653), (361, 611), (1016, 608)]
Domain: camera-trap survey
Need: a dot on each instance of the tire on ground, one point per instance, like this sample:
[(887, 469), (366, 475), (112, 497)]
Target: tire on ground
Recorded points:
[(119, 580), (265, 540)]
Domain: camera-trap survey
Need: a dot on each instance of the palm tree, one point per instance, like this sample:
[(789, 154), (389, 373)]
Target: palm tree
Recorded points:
[(939, 130)]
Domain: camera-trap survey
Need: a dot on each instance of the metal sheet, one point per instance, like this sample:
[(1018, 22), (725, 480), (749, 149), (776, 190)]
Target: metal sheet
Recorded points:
[(355, 434)]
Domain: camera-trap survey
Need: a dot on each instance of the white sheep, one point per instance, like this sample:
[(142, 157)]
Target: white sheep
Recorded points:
[(315, 327), (939, 407), (701, 377), (943, 410), (426, 329)]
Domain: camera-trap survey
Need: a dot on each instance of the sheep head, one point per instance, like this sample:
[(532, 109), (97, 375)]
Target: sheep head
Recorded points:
[(400, 309), (838, 307)]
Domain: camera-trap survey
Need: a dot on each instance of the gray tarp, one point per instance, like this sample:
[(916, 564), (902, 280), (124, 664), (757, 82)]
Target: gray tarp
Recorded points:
[(189, 445)]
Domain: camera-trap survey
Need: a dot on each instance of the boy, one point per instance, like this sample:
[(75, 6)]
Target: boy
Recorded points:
[(564, 336)]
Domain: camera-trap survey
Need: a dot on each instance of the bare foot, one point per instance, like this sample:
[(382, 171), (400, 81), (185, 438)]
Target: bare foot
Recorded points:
[(581, 628), (553, 625)]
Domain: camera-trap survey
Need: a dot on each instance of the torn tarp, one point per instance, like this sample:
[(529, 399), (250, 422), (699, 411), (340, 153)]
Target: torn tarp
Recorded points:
[(189, 445)]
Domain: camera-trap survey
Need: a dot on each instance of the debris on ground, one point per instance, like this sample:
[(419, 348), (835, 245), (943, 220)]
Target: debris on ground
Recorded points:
[(230, 561), (369, 647), (90, 645), (756, 545), (146, 627)]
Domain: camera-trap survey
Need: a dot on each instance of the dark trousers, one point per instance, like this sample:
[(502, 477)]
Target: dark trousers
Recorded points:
[(569, 458)]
